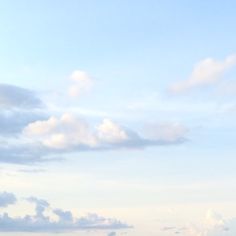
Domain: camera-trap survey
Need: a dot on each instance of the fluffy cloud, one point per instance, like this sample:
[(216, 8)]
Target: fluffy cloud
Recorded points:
[(63, 220), (62, 133), (13, 96), (110, 132), (207, 71), (7, 199), (82, 82), (69, 132)]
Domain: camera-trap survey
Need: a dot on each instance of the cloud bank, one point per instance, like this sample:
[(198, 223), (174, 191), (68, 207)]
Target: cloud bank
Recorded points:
[(62, 221)]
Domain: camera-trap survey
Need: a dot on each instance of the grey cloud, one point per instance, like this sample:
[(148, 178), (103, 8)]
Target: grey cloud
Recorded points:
[(13, 96), (7, 199), (22, 154), (112, 234), (66, 221), (41, 206), (13, 121), (63, 215)]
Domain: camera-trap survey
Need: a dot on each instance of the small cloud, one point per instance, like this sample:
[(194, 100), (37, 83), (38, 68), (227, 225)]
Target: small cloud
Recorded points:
[(168, 132), (82, 83), (206, 72)]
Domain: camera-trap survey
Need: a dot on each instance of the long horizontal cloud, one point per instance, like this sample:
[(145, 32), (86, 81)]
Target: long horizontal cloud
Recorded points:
[(28, 136), (44, 140), (65, 220), (68, 132), (13, 96)]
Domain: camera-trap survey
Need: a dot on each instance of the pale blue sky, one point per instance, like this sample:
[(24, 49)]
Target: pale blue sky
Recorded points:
[(148, 131)]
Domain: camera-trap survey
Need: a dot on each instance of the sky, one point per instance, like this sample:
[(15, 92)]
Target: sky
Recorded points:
[(117, 118)]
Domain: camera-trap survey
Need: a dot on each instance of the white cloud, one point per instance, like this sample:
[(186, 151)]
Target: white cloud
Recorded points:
[(69, 132), (82, 83), (207, 71), (64, 132), (110, 132)]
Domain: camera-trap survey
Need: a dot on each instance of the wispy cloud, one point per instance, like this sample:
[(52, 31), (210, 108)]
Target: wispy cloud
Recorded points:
[(206, 72)]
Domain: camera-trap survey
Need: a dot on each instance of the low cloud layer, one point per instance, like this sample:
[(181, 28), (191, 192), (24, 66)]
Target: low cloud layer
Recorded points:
[(61, 222)]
